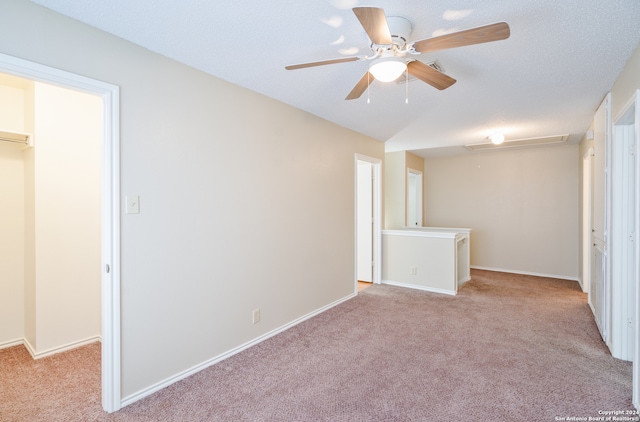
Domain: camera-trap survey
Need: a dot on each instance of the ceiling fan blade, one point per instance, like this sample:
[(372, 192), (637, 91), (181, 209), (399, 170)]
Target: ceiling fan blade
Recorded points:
[(360, 87), (429, 75), (322, 63), (374, 23), (494, 32)]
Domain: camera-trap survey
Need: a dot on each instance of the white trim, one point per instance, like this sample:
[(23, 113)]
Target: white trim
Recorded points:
[(415, 233), (606, 301), (11, 343), (60, 349), (197, 368), (503, 270), (636, 354), (29, 348), (53, 351), (376, 164), (111, 368), (587, 220), (110, 237), (417, 287), (445, 229)]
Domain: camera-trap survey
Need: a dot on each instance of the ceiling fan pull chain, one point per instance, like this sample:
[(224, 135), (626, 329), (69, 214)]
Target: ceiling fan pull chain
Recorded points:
[(406, 87), (368, 85)]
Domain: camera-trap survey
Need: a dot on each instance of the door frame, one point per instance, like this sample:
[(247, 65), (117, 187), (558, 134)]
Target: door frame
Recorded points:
[(364, 221), (623, 290), (587, 218), (376, 165), (110, 217), (635, 102)]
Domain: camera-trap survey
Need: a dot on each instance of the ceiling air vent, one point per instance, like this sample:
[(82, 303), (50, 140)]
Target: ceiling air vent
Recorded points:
[(434, 64), (546, 140)]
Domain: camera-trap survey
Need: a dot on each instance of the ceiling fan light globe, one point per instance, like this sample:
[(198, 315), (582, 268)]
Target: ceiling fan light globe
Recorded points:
[(387, 70)]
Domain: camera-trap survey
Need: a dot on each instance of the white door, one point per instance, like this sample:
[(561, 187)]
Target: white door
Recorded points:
[(364, 205), (623, 235)]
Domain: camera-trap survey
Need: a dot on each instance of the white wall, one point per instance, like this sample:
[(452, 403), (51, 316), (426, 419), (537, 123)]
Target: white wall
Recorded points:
[(522, 206), (245, 202)]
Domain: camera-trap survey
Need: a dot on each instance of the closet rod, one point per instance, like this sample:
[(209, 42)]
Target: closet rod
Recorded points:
[(18, 141)]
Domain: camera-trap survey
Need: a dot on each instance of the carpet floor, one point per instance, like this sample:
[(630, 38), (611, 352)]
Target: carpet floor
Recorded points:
[(506, 348)]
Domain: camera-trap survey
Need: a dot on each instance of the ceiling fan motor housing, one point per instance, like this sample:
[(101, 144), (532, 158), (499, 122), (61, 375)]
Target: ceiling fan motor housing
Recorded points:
[(400, 29)]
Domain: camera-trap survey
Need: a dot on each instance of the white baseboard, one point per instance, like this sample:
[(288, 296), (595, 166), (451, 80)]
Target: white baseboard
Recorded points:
[(503, 270), (11, 343), (417, 287), (65, 347), (197, 368), (580, 282), (29, 348), (53, 351)]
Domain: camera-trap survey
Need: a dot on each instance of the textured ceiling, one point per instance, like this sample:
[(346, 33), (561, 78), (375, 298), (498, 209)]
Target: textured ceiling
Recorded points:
[(546, 79)]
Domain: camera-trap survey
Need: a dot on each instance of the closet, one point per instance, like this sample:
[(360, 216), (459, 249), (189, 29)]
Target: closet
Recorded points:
[(50, 170)]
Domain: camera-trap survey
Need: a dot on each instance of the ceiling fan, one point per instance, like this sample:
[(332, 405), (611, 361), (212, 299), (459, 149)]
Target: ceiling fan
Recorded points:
[(389, 43)]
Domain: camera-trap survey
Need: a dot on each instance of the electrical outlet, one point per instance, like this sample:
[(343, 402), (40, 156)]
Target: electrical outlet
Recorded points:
[(256, 316), (414, 270)]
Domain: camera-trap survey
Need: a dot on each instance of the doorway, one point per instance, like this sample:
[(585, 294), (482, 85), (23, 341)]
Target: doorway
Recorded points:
[(110, 210), (414, 198), (55, 233), (368, 212)]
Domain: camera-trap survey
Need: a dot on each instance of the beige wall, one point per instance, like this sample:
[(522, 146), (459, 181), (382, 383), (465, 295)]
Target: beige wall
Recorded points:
[(432, 257), (12, 105), (627, 83), (11, 243), (394, 193), (397, 165), (522, 206), (414, 162), (245, 202)]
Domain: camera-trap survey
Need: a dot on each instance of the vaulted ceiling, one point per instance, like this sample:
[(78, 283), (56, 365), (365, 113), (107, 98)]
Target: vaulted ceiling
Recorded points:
[(546, 79)]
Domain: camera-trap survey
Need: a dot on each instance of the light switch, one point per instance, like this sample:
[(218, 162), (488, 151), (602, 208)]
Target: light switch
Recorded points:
[(133, 204)]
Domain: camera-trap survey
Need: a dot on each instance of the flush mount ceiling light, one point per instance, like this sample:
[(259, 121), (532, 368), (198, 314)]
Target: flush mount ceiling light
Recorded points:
[(496, 138), (387, 69)]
